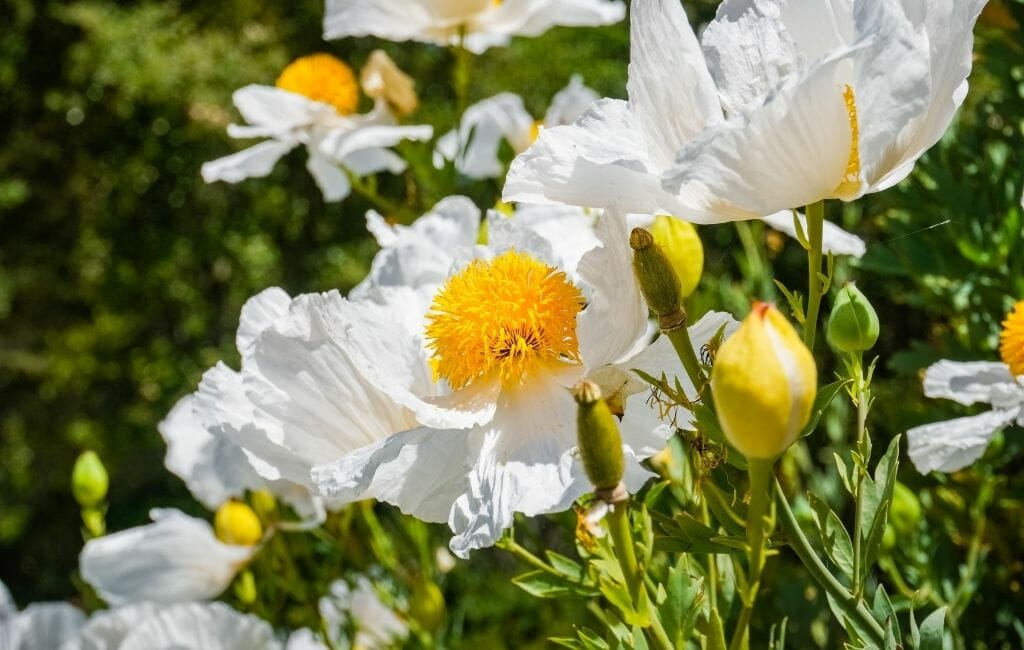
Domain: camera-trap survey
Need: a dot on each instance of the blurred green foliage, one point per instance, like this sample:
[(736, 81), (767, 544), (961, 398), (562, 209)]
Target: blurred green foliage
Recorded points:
[(122, 275)]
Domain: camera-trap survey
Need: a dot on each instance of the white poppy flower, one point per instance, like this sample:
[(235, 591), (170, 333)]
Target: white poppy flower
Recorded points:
[(107, 629), (476, 24), (175, 559), (509, 335), (40, 626), (314, 104), (826, 100), (617, 151), (210, 626), (474, 146), (376, 625)]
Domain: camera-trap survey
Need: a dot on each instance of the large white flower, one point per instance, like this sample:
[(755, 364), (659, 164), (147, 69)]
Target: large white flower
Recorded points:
[(474, 146), (175, 559), (314, 104), (825, 100), (40, 626), (509, 335), (477, 24), (616, 152)]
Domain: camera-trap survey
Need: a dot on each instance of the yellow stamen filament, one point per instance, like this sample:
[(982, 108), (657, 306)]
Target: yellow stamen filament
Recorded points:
[(505, 317), (322, 78), (851, 179), (1011, 347)]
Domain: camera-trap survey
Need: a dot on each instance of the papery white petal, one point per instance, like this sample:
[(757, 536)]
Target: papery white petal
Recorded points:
[(616, 315), (304, 639), (569, 230), (340, 144), (107, 629), (966, 382), (259, 313), (396, 20), (569, 103), (7, 606), (177, 558), (255, 162), (481, 131), (504, 234), (955, 444), (278, 111), (671, 93), (377, 626), (834, 239), (210, 626), (373, 161), (332, 181), (534, 17), (41, 626)]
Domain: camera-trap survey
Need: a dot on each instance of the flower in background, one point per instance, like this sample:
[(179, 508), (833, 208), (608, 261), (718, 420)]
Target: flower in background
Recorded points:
[(475, 24), (376, 625), (955, 444), (828, 100), (474, 146), (508, 333), (210, 626), (38, 626), (314, 104), (616, 152)]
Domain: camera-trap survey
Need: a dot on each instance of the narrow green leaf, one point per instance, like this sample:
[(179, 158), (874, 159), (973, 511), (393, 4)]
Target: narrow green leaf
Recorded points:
[(876, 502), (932, 630), (885, 613), (821, 402)]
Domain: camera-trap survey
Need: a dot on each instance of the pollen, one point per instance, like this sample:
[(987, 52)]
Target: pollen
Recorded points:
[(503, 318), (322, 78), (1011, 347), (850, 186)]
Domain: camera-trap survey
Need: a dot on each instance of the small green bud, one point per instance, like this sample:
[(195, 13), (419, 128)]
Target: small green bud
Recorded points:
[(264, 505), (427, 606), (245, 587), (658, 280), (89, 480), (905, 512), (888, 540), (853, 324), (598, 437)]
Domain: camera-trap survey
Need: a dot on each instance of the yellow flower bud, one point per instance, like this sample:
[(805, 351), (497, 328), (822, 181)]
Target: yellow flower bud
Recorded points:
[(763, 382), (236, 523), (598, 437), (681, 244), (89, 480)]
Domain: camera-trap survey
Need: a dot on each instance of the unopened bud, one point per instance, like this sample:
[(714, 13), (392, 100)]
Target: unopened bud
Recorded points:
[(653, 269), (598, 437), (680, 242), (763, 382), (382, 79), (264, 504), (235, 523), (245, 587), (89, 480), (905, 512), (853, 324), (427, 606)]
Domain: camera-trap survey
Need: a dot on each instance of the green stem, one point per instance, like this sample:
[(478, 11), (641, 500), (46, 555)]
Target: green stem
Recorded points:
[(388, 208), (512, 546), (680, 339), (863, 405), (815, 234), (622, 539), (461, 76), (760, 473), (753, 255), (853, 608)]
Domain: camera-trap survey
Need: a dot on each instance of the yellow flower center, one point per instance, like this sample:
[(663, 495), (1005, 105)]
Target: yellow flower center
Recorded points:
[(322, 78), (851, 179), (504, 317), (1011, 347)]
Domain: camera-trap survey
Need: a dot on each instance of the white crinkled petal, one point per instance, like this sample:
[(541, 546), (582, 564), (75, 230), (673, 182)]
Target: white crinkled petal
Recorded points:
[(377, 626), (259, 313), (395, 20), (568, 229), (570, 103), (278, 112), (334, 184), (175, 559), (481, 131), (671, 93), (342, 143), (616, 315), (534, 17), (834, 239), (106, 630), (966, 382), (41, 626), (210, 626), (255, 162), (953, 445), (373, 161), (7, 606)]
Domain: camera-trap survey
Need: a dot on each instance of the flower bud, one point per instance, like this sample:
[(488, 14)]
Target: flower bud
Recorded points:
[(654, 271), (382, 79), (245, 587), (264, 504), (905, 511), (763, 382), (681, 244), (427, 606), (853, 324), (236, 523), (89, 480), (598, 437)]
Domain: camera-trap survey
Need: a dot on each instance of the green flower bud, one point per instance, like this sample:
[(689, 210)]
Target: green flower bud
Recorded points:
[(427, 606), (763, 382), (245, 587), (853, 324), (905, 512), (888, 540), (658, 280), (264, 504), (598, 437), (89, 480), (681, 244)]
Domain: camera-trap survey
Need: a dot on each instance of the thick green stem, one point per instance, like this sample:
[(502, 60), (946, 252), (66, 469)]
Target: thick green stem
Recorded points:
[(461, 76), (680, 339), (863, 405), (815, 234), (853, 608), (754, 256), (622, 539), (513, 547), (760, 473)]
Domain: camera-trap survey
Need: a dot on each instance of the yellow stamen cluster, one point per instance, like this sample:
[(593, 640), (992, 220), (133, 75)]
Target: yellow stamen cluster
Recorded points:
[(505, 317), (322, 78), (851, 179), (1011, 347)]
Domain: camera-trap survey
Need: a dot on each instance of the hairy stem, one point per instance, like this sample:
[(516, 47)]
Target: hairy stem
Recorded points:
[(760, 472)]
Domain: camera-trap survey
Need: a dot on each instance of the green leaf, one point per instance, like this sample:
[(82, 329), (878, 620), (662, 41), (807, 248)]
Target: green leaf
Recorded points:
[(875, 503), (834, 538), (885, 613), (569, 568), (684, 534), (932, 630), (684, 597), (542, 584), (591, 640), (821, 402)]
